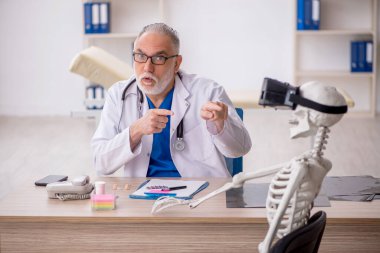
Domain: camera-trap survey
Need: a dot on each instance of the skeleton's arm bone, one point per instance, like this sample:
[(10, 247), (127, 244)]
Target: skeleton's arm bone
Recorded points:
[(238, 181), (224, 188), (294, 182)]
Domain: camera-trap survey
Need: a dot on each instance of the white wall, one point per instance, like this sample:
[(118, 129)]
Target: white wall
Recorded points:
[(38, 40), (235, 42)]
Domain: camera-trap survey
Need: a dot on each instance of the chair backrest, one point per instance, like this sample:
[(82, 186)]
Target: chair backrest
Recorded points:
[(305, 239), (235, 165)]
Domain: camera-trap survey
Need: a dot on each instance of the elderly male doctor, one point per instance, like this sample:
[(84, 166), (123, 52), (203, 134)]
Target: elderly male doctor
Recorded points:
[(163, 122)]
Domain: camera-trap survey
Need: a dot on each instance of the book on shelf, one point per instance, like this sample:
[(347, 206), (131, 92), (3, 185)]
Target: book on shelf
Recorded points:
[(104, 18), (308, 14), (87, 17), (96, 17), (369, 56), (361, 56)]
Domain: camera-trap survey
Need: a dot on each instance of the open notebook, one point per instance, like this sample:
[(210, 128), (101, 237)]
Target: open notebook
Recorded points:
[(150, 189)]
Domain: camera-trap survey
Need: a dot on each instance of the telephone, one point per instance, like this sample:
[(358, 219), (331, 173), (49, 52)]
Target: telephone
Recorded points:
[(79, 188)]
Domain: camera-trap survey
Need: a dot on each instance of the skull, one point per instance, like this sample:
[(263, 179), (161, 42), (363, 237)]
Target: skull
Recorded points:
[(308, 120)]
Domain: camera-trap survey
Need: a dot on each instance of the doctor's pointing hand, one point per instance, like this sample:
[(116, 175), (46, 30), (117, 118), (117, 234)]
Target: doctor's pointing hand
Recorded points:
[(151, 123), (216, 112), (163, 122)]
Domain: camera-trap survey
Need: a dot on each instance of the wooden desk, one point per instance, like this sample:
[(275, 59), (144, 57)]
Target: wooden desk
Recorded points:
[(30, 222)]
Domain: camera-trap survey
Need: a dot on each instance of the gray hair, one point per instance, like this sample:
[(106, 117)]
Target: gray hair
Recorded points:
[(163, 29)]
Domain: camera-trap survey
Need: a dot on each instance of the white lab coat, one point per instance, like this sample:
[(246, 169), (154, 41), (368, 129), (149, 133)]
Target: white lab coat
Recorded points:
[(204, 151)]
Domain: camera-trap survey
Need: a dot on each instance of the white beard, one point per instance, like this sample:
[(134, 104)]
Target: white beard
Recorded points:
[(159, 85)]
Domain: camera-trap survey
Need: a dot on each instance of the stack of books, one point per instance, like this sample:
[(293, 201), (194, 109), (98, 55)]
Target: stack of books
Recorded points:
[(308, 14), (361, 56), (96, 17)]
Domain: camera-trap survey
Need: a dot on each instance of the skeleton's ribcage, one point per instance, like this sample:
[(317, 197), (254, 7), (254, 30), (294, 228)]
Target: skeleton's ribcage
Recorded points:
[(298, 210)]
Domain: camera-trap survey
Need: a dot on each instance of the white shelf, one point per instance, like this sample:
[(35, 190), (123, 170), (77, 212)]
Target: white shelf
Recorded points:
[(111, 36), (93, 114), (329, 73), (333, 32), (94, 102), (323, 51), (86, 113)]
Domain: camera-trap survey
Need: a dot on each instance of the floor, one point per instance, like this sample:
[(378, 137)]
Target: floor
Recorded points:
[(32, 147)]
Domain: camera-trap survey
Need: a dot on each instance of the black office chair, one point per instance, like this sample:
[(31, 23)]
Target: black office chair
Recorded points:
[(305, 239)]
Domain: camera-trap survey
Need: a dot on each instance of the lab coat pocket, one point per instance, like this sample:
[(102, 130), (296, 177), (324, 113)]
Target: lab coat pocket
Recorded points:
[(199, 144)]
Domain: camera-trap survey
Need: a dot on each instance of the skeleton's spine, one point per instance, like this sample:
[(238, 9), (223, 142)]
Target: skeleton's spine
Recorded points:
[(320, 141)]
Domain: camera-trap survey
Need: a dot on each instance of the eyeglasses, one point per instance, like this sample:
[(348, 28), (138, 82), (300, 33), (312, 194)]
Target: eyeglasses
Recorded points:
[(156, 59)]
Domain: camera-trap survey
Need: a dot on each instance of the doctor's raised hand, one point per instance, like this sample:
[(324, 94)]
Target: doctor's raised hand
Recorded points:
[(152, 122), (215, 112)]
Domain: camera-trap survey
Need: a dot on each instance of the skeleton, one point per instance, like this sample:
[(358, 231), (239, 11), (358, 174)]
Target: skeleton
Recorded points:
[(297, 182)]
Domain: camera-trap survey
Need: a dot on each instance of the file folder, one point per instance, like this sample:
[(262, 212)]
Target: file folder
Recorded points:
[(88, 18), (369, 56), (95, 18), (308, 14), (104, 18)]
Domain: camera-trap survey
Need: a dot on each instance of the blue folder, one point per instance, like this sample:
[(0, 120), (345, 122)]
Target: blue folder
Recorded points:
[(88, 18)]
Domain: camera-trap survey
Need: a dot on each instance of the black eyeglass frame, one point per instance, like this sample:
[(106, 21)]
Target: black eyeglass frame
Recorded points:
[(152, 58)]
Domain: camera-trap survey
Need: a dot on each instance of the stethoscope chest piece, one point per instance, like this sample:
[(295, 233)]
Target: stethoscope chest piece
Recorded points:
[(179, 144)]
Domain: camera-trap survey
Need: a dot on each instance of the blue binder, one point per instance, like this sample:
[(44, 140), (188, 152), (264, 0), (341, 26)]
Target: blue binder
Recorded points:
[(301, 15), (315, 16), (308, 14), (354, 56), (308, 9), (368, 56), (95, 17), (88, 18), (104, 17), (361, 56)]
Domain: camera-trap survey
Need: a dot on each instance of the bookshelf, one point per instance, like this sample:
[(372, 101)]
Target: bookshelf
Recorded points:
[(324, 54), (88, 37), (127, 18)]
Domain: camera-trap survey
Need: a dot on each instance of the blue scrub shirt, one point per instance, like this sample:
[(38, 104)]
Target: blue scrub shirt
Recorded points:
[(161, 163)]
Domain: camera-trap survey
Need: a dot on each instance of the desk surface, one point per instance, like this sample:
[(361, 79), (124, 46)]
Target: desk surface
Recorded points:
[(30, 203), (28, 216)]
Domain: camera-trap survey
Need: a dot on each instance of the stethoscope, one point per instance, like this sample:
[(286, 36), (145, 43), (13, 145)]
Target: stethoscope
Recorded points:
[(179, 143)]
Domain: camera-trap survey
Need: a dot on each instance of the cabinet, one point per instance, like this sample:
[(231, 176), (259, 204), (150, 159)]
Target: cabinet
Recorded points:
[(324, 54), (127, 18)]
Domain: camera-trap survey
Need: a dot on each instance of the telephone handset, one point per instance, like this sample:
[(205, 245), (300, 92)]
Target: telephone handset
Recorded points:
[(78, 188)]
